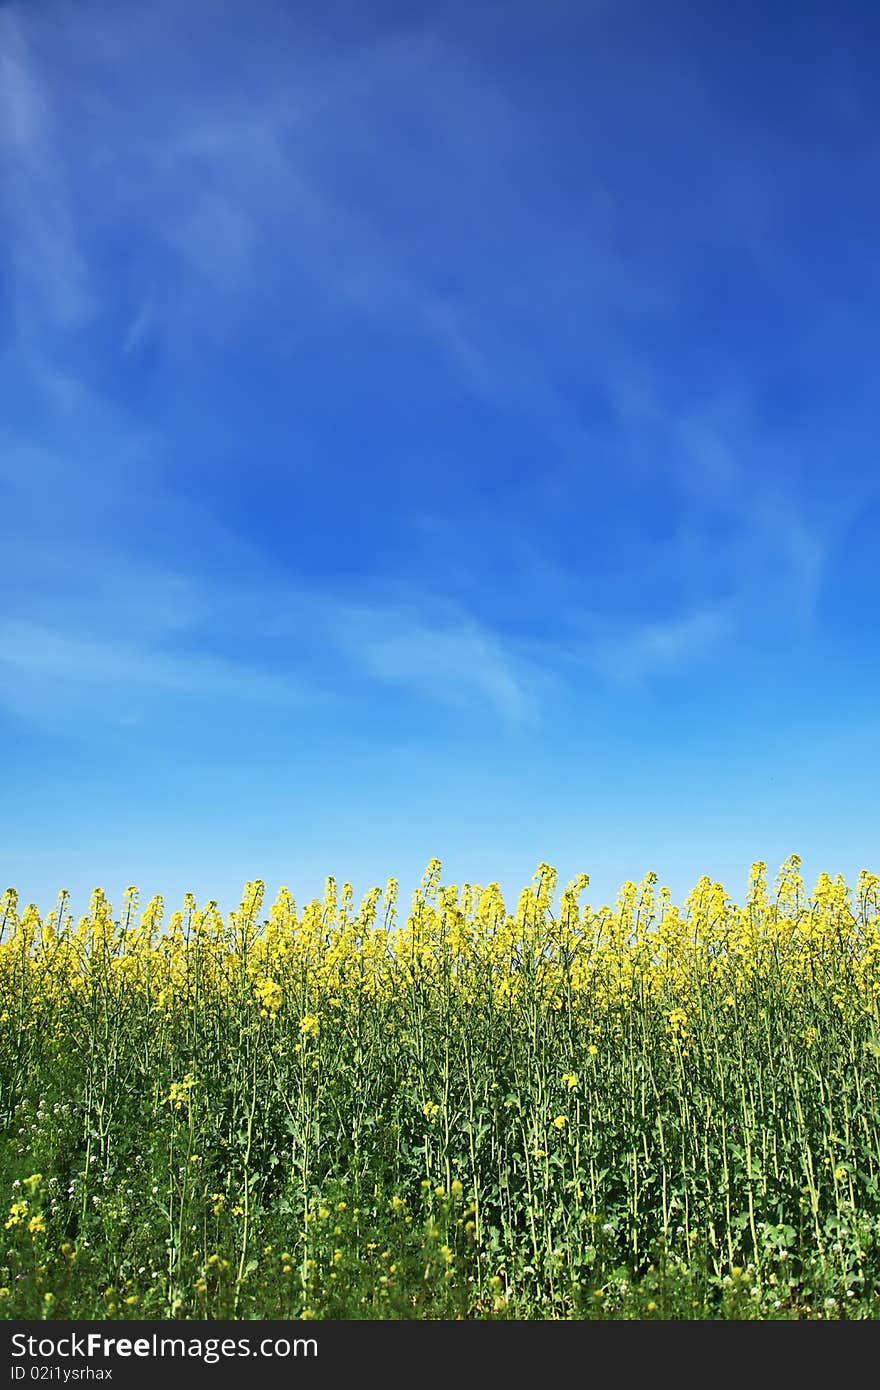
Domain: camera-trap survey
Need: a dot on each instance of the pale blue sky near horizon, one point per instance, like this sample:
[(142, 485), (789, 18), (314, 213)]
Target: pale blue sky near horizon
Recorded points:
[(436, 431)]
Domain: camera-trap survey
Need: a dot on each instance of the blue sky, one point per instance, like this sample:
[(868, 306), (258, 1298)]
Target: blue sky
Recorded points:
[(436, 430)]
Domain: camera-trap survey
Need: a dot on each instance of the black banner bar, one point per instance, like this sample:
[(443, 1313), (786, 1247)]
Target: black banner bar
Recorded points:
[(267, 1354)]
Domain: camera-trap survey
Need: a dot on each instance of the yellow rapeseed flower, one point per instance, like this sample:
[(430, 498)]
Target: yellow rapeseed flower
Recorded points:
[(270, 995), (17, 1214), (179, 1094)]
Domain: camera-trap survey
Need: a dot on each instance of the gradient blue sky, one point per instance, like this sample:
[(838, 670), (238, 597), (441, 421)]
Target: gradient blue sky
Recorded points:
[(437, 430)]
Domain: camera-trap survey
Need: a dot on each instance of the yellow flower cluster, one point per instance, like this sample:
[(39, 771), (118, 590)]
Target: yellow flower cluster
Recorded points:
[(270, 995), (179, 1094), (17, 1214), (548, 953)]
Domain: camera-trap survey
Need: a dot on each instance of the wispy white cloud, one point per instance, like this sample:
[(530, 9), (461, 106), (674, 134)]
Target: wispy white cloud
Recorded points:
[(114, 646), (23, 116), (446, 658), (143, 323), (264, 210), (744, 535), (34, 653), (661, 648), (50, 280)]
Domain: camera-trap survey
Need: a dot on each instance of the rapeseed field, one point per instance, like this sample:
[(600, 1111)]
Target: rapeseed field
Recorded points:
[(464, 1111)]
